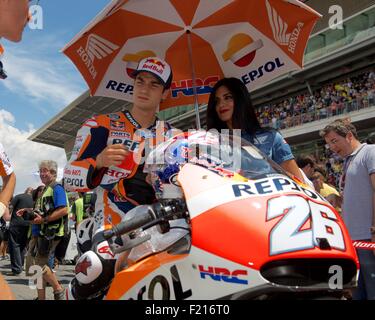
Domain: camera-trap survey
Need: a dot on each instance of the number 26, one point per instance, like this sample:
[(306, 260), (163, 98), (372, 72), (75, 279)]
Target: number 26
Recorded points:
[(286, 235)]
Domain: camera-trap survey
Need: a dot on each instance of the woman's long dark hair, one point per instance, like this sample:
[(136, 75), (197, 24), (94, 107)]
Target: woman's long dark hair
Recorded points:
[(244, 116)]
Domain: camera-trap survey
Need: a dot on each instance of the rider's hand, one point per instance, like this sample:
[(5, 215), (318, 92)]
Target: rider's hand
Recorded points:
[(112, 155)]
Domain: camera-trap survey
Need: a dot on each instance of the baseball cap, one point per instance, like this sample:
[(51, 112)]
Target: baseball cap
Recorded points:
[(157, 67)]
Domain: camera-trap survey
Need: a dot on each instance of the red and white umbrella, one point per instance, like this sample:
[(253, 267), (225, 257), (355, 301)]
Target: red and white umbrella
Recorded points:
[(203, 41)]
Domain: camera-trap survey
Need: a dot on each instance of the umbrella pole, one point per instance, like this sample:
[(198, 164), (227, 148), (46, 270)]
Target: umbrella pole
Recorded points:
[(196, 105)]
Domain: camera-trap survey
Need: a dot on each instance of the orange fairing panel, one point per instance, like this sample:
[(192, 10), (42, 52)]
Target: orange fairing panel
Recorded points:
[(254, 222), (127, 278), (5, 291), (238, 231)]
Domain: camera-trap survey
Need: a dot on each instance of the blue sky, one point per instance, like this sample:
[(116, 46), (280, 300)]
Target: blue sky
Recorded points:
[(41, 82), (41, 79)]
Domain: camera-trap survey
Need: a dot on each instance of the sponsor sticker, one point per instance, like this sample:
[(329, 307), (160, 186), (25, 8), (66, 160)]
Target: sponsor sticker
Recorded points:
[(117, 125)]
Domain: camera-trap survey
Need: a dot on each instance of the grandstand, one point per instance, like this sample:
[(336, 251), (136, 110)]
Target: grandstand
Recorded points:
[(338, 79)]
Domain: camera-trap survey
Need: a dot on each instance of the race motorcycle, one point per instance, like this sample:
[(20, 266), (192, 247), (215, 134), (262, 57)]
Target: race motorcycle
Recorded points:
[(230, 229), (5, 290)]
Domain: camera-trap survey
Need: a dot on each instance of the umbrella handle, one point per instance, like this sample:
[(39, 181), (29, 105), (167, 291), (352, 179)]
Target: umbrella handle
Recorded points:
[(196, 105)]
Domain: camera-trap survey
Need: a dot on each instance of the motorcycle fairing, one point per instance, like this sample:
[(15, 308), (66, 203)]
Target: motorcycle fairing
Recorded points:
[(233, 220), (195, 276), (5, 290)]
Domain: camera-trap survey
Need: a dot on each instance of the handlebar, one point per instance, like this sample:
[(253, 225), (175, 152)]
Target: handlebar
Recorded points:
[(154, 212)]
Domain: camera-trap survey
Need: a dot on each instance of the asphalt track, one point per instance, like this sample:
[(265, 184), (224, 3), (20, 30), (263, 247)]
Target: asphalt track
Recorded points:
[(20, 284)]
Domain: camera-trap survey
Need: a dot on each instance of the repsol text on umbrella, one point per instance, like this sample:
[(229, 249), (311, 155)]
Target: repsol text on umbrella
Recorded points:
[(269, 66)]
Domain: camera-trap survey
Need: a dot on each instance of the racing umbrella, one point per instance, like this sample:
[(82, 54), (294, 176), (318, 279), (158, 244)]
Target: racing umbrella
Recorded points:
[(203, 41)]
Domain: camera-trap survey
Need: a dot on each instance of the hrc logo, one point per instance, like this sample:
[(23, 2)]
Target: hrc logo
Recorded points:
[(185, 87), (223, 274)]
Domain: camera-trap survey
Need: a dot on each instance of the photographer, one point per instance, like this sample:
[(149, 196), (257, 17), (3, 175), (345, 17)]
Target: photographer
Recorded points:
[(52, 216)]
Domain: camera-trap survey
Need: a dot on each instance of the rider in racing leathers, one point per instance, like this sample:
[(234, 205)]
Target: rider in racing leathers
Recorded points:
[(107, 156)]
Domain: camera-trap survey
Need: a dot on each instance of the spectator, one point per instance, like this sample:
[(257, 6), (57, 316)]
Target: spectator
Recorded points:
[(358, 190), (77, 209), (332, 99), (327, 191), (371, 138), (306, 165), (18, 231), (4, 237)]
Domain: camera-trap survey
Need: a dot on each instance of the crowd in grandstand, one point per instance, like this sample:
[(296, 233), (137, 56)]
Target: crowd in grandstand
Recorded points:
[(335, 98), (332, 99)]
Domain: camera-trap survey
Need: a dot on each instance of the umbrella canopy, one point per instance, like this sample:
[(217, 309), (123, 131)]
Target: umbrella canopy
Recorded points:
[(203, 41)]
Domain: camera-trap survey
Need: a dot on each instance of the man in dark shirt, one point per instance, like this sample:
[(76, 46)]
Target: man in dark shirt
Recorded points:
[(18, 231)]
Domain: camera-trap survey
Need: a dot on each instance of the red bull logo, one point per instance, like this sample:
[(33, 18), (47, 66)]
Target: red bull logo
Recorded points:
[(185, 87), (153, 67), (156, 62), (117, 124)]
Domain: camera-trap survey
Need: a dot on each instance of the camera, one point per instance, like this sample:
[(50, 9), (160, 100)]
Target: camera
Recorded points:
[(30, 214)]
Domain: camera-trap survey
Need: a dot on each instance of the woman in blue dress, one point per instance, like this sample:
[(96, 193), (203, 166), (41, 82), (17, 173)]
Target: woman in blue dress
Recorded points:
[(230, 107)]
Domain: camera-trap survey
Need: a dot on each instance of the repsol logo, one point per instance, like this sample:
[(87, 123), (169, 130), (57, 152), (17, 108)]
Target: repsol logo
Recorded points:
[(75, 182), (120, 87), (170, 283), (223, 274), (268, 67), (129, 144), (270, 186)]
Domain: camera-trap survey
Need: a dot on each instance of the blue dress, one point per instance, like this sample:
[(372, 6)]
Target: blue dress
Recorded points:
[(272, 144)]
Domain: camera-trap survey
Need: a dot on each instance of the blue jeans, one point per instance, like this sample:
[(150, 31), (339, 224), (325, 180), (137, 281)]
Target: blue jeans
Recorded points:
[(366, 281), (51, 259)]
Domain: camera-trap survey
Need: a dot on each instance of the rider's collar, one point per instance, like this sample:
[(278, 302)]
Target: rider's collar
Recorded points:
[(135, 123)]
